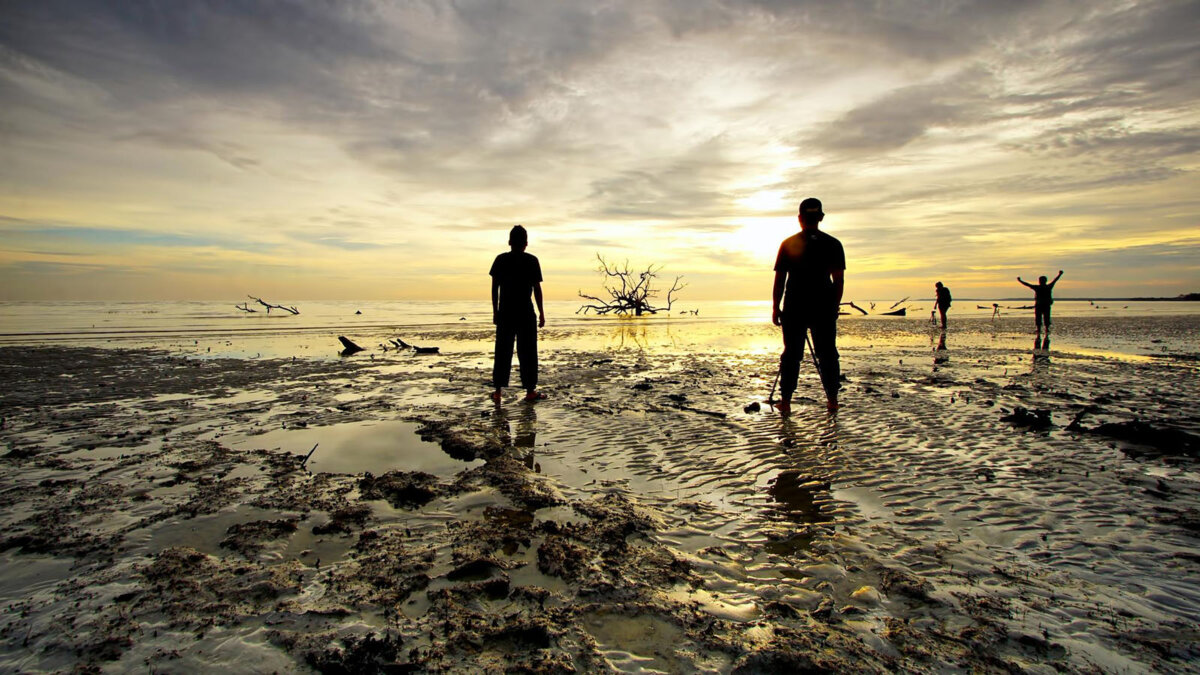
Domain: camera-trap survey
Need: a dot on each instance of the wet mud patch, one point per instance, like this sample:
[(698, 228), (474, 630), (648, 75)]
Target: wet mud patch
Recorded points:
[(249, 538), (384, 569), (199, 590), (402, 489)]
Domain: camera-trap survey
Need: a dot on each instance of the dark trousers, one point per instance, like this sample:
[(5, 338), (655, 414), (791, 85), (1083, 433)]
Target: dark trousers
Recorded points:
[(824, 337), (523, 328), (1041, 313)]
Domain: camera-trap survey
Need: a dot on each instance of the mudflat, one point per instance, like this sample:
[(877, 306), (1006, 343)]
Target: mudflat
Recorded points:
[(979, 507)]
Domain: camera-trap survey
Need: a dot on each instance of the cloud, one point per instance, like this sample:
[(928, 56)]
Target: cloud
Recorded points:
[(48, 234), (364, 132), (1148, 48), (904, 115), (1114, 141), (230, 153)]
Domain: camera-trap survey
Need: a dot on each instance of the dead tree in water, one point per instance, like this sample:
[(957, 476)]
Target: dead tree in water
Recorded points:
[(629, 292), (269, 306)]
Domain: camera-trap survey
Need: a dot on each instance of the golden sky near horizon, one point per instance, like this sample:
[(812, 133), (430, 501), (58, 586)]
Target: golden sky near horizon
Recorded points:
[(381, 150)]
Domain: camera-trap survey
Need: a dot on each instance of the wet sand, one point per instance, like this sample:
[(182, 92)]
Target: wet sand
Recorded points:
[(983, 507)]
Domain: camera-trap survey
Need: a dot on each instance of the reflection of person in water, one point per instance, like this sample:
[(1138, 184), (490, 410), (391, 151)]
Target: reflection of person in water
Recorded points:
[(523, 438), (942, 301), (939, 352), (809, 273), (515, 275), (1042, 299), (1041, 349)]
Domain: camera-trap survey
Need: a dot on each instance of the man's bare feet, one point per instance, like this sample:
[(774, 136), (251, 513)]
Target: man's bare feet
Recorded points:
[(496, 397), (831, 406), (534, 396), (784, 407)]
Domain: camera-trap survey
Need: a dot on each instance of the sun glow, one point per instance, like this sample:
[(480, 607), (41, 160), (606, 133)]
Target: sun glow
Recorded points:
[(760, 237)]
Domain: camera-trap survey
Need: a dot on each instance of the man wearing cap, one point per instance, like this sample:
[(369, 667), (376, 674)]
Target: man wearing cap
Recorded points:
[(515, 275), (809, 279)]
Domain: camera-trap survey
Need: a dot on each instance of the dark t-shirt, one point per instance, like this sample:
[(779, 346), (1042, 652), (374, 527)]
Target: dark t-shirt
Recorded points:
[(1041, 295), (943, 297), (809, 258), (516, 272)]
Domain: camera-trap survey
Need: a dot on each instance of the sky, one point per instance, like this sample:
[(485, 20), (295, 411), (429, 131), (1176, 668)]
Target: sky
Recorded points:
[(207, 150)]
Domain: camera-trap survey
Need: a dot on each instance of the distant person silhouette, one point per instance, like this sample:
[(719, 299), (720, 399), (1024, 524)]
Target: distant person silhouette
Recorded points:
[(515, 275), (1042, 299), (942, 301), (809, 279)]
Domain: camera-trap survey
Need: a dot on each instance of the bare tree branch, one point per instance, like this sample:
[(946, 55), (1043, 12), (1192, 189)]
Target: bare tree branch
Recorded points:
[(629, 292), (269, 306)]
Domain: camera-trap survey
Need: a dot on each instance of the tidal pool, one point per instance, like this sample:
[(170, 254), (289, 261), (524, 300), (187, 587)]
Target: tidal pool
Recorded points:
[(357, 447)]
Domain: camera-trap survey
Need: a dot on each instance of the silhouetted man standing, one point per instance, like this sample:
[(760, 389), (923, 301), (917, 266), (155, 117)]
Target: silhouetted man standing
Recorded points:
[(809, 279), (1042, 299), (515, 275)]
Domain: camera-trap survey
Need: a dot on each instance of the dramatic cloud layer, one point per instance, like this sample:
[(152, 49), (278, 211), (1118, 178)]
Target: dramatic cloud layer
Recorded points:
[(363, 150)]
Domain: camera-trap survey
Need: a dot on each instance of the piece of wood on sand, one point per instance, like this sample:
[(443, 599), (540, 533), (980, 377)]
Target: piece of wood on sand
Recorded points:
[(348, 346)]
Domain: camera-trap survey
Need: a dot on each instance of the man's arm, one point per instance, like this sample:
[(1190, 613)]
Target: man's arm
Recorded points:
[(537, 296), (777, 297), (1024, 283), (495, 300), (839, 285), (1056, 279)]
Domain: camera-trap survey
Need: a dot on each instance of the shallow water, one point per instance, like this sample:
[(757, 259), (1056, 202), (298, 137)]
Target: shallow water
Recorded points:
[(357, 447), (216, 329)]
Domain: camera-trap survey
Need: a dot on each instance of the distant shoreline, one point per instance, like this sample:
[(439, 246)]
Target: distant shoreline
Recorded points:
[(1189, 297)]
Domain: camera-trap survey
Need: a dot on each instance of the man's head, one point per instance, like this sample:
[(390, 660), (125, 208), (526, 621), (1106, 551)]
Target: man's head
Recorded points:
[(938, 285), (518, 238), (810, 213), (1042, 280)]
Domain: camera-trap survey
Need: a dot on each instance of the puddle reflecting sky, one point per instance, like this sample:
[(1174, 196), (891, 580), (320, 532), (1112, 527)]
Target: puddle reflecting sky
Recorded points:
[(358, 447)]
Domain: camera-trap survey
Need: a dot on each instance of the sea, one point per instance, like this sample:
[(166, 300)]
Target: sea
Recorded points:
[(220, 329)]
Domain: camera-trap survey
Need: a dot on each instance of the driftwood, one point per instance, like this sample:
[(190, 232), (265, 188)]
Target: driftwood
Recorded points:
[(903, 311), (634, 293), (864, 312), (269, 306), (245, 307), (349, 346), (899, 302), (401, 344)]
